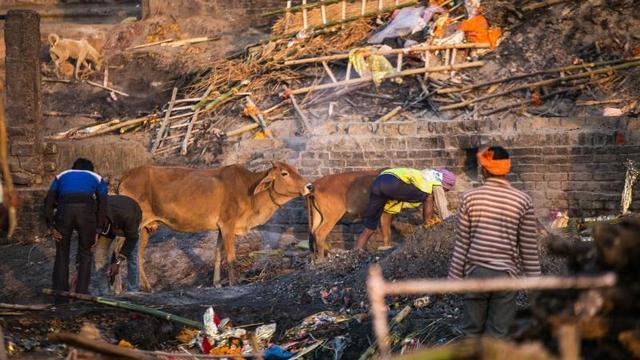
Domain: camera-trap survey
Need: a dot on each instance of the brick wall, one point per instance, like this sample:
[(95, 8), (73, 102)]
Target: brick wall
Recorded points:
[(564, 164)]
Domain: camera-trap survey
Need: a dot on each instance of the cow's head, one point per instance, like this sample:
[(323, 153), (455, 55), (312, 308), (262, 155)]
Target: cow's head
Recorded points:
[(283, 179)]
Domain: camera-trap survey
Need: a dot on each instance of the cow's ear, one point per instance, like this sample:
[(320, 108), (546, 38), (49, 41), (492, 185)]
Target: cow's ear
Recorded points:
[(264, 184)]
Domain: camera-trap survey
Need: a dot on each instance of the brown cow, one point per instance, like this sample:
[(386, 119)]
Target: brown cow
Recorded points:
[(230, 199), (335, 196)]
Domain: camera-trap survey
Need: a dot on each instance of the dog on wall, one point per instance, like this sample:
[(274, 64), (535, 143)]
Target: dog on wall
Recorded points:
[(63, 49)]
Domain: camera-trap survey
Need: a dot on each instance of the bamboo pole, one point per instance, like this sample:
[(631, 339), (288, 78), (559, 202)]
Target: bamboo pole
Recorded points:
[(303, 118), (114, 127), (298, 8), (323, 12), (287, 16), (347, 76), (149, 44), (158, 141), (100, 347), (128, 306), (522, 76), (394, 75), (540, 83), (106, 88), (364, 7), (388, 116), (541, 4), (185, 142), (388, 52), (9, 191), (242, 130), (305, 20), (24, 307), (343, 15), (528, 101), (329, 72), (380, 5), (399, 63)]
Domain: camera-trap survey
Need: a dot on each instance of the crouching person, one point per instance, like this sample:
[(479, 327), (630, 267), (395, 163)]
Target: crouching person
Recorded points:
[(123, 220)]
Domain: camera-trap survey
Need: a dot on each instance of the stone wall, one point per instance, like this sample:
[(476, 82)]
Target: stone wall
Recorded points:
[(564, 164)]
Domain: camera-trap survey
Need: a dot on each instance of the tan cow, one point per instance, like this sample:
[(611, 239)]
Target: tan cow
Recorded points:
[(230, 199), (335, 196)]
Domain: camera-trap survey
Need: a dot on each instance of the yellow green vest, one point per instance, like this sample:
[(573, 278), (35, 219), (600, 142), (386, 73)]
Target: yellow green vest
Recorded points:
[(413, 177)]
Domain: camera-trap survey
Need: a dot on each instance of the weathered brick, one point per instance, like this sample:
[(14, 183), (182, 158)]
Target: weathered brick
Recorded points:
[(556, 176), (531, 177), (580, 176)]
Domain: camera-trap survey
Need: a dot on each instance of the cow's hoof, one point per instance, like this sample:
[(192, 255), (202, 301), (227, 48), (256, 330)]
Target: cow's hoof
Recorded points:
[(217, 286)]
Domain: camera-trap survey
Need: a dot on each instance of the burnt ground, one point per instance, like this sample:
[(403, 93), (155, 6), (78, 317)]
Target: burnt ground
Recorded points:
[(285, 295)]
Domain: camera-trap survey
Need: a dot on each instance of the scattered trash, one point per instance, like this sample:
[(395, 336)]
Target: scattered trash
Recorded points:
[(422, 302), (406, 21), (125, 344), (477, 30), (276, 352), (560, 220)]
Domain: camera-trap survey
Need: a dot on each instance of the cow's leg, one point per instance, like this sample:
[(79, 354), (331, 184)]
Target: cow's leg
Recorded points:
[(142, 245), (385, 225), (321, 233), (229, 239), (217, 261)]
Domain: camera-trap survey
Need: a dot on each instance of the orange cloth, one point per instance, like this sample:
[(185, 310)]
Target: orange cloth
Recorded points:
[(494, 167), (477, 31)]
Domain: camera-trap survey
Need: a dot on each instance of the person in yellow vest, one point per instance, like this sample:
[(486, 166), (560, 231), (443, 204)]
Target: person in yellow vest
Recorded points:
[(398, 188)]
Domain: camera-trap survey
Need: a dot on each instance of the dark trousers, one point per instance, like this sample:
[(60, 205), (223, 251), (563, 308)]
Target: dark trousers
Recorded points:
[(80, 217), (388, 187), (489, 313)]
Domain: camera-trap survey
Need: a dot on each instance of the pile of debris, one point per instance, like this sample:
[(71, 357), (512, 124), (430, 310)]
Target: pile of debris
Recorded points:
[(415, 60)]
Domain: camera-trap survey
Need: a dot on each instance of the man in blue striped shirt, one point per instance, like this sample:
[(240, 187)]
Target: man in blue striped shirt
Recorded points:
[(77, 200)]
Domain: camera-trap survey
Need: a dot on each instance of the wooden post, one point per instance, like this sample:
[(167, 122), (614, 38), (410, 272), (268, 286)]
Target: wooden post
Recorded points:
[(165, 121), (344, 10), (364, 7), (305, 20), (569, 341), (323, 11), (376, 290)]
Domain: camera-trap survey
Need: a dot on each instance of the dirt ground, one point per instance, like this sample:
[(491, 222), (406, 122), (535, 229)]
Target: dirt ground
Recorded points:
[(180, 272)]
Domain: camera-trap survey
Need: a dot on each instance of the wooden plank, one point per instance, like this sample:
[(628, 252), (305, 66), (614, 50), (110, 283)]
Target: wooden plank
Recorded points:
[(156, 144)]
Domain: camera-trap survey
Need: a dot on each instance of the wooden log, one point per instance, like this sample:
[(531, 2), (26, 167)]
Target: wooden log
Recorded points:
[(128, 306), (24, 307), (106, 88), (548, 82), (388, 116), (522, 76), (158, 141), (394, 75), (100, 347), (388, 52)]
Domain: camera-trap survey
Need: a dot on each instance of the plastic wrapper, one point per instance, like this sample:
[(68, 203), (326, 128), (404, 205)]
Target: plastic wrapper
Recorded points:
[(211, 322), (406, 21)]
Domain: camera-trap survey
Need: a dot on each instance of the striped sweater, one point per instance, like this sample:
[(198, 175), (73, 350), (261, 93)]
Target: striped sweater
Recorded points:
[(496, 229)]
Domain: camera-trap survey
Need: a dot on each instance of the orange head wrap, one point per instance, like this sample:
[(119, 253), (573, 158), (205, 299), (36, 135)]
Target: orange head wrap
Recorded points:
[(494, 167)]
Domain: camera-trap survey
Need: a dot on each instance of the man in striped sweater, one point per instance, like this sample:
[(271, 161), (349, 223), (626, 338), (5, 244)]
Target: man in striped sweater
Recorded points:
[(495, 236)]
